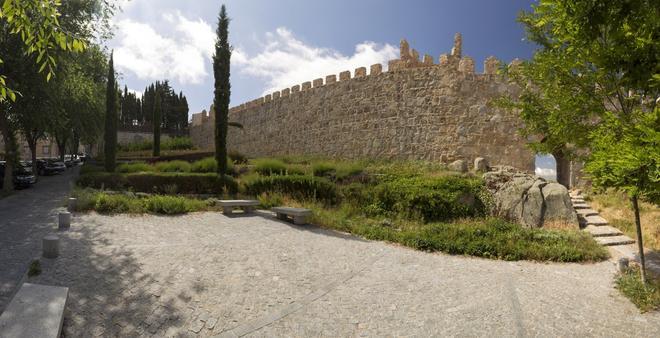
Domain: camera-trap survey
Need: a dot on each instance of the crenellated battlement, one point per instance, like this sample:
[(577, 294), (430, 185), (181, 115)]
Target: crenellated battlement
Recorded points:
[(417, 108), (408, 59)]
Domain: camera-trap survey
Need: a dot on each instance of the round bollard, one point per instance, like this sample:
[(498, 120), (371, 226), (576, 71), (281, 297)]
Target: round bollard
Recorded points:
[(51, 246), (72, 204), (623, 264), (64, 220)]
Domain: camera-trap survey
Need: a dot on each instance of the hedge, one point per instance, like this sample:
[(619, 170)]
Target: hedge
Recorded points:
[(296, 186), (430, 198), (182, 183)]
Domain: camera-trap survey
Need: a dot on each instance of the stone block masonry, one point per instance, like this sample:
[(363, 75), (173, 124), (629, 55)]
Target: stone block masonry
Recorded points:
[(414, 110)]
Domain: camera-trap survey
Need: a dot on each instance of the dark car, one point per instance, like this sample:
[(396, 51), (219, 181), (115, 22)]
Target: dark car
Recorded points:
[(23, 177), (49, 167)]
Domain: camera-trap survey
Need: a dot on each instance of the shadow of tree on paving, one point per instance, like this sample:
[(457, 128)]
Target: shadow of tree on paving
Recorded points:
[(110, 294)]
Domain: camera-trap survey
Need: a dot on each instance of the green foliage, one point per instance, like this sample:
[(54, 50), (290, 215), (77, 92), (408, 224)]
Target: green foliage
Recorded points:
[(135, 167), (209, 165), (429, 199), (222, 90), (626, 155), (322, 169), (173, 167), (89, 199), (157, 117), (645, 297), (296, 186), (110, 130), (268, 200), (489, 238), (172, 205), (174, 143), (270, 166), (237, 158), (90, 168), (186, 183), (35, 268)]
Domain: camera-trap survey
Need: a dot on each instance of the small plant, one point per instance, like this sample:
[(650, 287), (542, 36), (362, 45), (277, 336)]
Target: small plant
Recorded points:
[(116, 204), (268, 166), (268, 200), (323, 169), (645, 297), (136, 167), (237, 158), (177, 166), (35, 268), (296, 186), (172, 205)]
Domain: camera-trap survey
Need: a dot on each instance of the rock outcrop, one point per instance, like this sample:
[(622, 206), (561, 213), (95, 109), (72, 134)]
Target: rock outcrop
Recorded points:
[(527, 199)]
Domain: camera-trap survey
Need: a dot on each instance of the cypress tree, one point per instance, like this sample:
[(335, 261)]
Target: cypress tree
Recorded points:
[(221, 59), (110, 135), (157, 118)]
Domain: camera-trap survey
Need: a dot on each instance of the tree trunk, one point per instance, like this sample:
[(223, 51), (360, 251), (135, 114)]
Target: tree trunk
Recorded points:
[(10, 153), (640, 244), (75, 144), (563, 169), (32, 143)]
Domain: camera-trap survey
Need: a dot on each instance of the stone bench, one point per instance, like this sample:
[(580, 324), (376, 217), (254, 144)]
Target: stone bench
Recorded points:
[(299, 215), (35, 311), (228, 206)]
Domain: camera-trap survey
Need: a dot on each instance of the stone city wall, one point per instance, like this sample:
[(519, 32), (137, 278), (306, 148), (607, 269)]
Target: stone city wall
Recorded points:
[(416, 110)]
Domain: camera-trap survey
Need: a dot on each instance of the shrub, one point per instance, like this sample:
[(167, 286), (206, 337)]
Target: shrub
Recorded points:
[(209, 165), (296, 186), (268, 200), (172, 205), (134, 167), (645, 297), (429, 198), (176, 166), (91, 168), (268, 166), (186, 183), (237, 158), (116, 204), (177, 143), (322, 169)]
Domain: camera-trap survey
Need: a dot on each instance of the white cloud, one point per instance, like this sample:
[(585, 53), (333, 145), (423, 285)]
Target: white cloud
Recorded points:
[(182, 53), (546, 172), (285, 61)]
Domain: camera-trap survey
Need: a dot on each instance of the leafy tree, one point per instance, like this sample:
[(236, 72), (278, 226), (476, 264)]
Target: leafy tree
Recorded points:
[(110, 134), (591, 88), (221, 63), (158, 112)]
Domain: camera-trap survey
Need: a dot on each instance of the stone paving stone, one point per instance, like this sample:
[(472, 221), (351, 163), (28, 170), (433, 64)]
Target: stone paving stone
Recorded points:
[(586, 212), (602, 231), (581, 206), (595, 220), (614, 240)]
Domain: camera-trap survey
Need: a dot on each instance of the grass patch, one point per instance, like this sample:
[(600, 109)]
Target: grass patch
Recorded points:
[(104, 203), (616, 208), (176, 166), (269, 166), (483, 237), (136, 167), (646, 298)]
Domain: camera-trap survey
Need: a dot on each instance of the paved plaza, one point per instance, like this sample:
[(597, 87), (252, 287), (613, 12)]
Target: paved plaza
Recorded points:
[(207, 274)]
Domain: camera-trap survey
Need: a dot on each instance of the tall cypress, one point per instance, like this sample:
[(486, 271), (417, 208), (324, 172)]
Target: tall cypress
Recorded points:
[(221, 59), (110, 135), (157, 120)]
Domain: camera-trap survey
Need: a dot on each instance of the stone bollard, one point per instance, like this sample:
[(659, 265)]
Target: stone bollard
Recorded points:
[(72, 204), (51, 246), (64, 220), (623, 264)]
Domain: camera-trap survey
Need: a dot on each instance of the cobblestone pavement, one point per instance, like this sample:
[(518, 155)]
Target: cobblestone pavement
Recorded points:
[(207, 274), (25, 218)]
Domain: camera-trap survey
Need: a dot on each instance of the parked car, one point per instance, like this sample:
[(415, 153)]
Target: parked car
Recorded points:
[(49, 167), (23, 176)]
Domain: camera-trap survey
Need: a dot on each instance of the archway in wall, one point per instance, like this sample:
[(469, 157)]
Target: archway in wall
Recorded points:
[(546, 166)]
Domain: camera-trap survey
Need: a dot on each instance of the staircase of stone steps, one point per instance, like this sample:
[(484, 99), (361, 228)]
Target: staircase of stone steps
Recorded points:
[(597, 226), (619, 244)]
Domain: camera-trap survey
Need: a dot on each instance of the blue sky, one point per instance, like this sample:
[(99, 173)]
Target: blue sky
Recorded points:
[(282, 43)]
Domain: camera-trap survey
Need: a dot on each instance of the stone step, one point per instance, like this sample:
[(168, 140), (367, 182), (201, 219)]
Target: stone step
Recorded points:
[(614, 240), (602, 231), (581, 206), (593, 220), (586, 212)]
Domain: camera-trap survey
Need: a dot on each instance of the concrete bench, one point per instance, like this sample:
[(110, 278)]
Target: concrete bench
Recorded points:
[(299, 215), (228, 206), (35, 311)]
